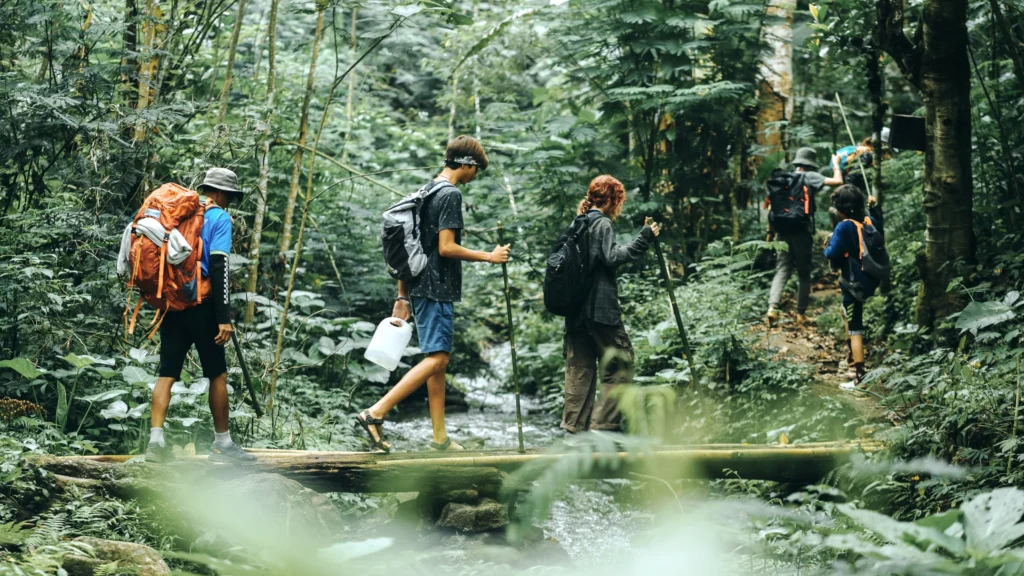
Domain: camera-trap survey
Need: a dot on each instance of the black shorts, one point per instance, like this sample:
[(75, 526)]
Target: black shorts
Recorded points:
[(180, 330), (853, 311)]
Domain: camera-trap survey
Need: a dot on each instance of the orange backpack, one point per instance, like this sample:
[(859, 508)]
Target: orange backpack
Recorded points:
[(165, 286)]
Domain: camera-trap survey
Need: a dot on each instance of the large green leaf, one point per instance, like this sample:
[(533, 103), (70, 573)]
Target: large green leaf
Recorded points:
[(901, 532), (107, 395), (136, 375), (79, 362), (979, 315), (494, 33), (22, 366), (992, 521)]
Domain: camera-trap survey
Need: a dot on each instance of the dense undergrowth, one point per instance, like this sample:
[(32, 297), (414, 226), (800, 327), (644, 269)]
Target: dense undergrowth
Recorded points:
[(660, 94)]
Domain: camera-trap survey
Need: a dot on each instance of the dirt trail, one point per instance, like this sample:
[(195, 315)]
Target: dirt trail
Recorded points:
[(804, 344)]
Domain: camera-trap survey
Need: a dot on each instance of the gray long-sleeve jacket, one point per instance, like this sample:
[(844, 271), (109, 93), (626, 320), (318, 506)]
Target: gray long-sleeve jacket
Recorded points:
[(602, 302)]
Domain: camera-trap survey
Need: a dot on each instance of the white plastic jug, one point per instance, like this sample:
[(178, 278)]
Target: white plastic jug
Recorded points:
[(389, 342)]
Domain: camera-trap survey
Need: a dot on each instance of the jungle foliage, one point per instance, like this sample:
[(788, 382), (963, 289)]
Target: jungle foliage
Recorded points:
[(102, 101)]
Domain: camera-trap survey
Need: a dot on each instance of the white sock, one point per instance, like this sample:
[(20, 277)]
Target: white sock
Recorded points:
[(222, 438), (156, 436)]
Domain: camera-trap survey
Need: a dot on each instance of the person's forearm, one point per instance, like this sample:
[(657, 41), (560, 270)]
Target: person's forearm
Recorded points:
[(219, 288), (403, 288), (457, 252), (837, 176)]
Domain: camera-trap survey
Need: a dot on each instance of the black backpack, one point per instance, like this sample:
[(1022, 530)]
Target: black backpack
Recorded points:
[(790, 202), (567, 275), (874, 260)]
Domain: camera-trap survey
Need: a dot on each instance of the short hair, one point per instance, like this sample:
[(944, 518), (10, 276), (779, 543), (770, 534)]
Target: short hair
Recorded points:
[(607, 192), (849, 200), (462, 148)]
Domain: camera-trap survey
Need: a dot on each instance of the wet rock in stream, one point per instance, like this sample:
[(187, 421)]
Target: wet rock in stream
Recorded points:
[(482, 516)]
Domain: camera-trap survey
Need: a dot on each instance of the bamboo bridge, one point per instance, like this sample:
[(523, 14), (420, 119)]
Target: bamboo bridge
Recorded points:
[(486, 471)]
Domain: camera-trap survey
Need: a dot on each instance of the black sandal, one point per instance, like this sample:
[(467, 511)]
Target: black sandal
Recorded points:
[(366, 420), (445, 446)]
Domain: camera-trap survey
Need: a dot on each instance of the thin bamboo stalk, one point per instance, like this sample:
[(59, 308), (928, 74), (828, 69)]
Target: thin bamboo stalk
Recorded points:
[(264, 180), (225, 91), (512, 340), (675, 311)]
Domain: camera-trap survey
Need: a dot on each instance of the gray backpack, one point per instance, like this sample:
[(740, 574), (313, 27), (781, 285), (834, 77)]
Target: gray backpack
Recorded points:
[(403, 250)]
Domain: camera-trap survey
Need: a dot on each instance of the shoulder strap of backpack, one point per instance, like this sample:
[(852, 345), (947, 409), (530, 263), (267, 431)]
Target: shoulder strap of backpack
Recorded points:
[(429, 190), (860, 235)]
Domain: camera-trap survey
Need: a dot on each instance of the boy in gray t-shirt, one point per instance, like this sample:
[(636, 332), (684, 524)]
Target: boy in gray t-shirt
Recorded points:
[(799, 245), (432, 295)]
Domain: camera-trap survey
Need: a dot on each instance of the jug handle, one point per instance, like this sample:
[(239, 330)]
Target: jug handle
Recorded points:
[(397, 322)]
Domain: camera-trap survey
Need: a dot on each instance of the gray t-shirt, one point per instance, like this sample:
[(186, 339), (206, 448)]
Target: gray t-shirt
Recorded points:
[(441, 280)]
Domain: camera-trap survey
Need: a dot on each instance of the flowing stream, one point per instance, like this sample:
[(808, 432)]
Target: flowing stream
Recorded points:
[(586, 520)]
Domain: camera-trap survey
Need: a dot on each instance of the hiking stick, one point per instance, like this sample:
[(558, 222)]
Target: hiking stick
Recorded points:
[(512, 340), (675, 310), (245, 376), (863, 171)]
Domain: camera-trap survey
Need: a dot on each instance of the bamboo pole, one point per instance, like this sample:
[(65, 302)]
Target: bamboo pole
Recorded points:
[(305, 216), (293, 187), (487, 471), (863, 170), (675, 311), (264, 181), (225, 91), (512, 340)]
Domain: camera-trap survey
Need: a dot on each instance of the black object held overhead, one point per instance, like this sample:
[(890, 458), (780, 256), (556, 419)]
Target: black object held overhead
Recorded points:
[(512, 340), (245, 375), (675, 311)]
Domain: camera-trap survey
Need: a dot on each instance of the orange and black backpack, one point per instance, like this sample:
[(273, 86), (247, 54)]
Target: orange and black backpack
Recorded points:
[(789, 201), (165, 286)]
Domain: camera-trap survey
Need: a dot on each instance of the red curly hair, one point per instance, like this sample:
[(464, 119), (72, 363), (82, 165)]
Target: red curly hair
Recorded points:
[(606, 193)]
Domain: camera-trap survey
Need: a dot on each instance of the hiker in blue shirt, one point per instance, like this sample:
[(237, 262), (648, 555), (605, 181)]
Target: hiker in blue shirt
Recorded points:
[(206, 325), (843, 251)]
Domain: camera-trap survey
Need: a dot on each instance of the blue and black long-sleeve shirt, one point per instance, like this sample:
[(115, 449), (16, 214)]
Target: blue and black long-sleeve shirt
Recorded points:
[(845, 245)]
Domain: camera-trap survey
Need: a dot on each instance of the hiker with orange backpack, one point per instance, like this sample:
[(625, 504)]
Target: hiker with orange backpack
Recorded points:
[(176, 250), (791, 218), (857, 249)]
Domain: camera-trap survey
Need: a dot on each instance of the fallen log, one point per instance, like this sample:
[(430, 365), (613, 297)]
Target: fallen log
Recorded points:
[(487, 472)]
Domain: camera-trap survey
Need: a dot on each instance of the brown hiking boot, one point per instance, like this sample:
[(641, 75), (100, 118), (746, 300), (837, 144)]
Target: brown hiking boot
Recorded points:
[(772, 317)]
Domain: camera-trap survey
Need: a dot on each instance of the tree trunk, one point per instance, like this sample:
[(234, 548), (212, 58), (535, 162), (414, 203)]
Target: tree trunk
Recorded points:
[(350, 105), (775, 72), (948, 192), (487, 471), (878, 108), (148, 66), (225, 91), (936, 62), (1010, 41), (451, 113), (261, 199), (293, 188), (129, 72)]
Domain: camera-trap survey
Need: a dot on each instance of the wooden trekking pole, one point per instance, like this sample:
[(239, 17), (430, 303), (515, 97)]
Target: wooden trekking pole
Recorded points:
[(863, 171), (512, 341), (245, 376), (675, 309)]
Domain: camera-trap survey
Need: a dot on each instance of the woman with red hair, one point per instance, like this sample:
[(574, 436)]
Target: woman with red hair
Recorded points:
[(595, 333)]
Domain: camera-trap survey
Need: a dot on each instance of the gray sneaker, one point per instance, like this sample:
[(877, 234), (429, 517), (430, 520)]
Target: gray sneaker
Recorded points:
[(158, 453), (232, 453)]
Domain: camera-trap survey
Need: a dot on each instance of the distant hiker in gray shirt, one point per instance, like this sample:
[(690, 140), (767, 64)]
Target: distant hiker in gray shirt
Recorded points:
[(596, 333)]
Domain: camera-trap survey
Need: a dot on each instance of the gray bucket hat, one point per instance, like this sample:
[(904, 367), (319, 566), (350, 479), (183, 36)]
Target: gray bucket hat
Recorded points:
[(806, 157), (222, 179)]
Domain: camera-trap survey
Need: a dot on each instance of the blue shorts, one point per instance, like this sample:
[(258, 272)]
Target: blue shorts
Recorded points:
[(435, 325)]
